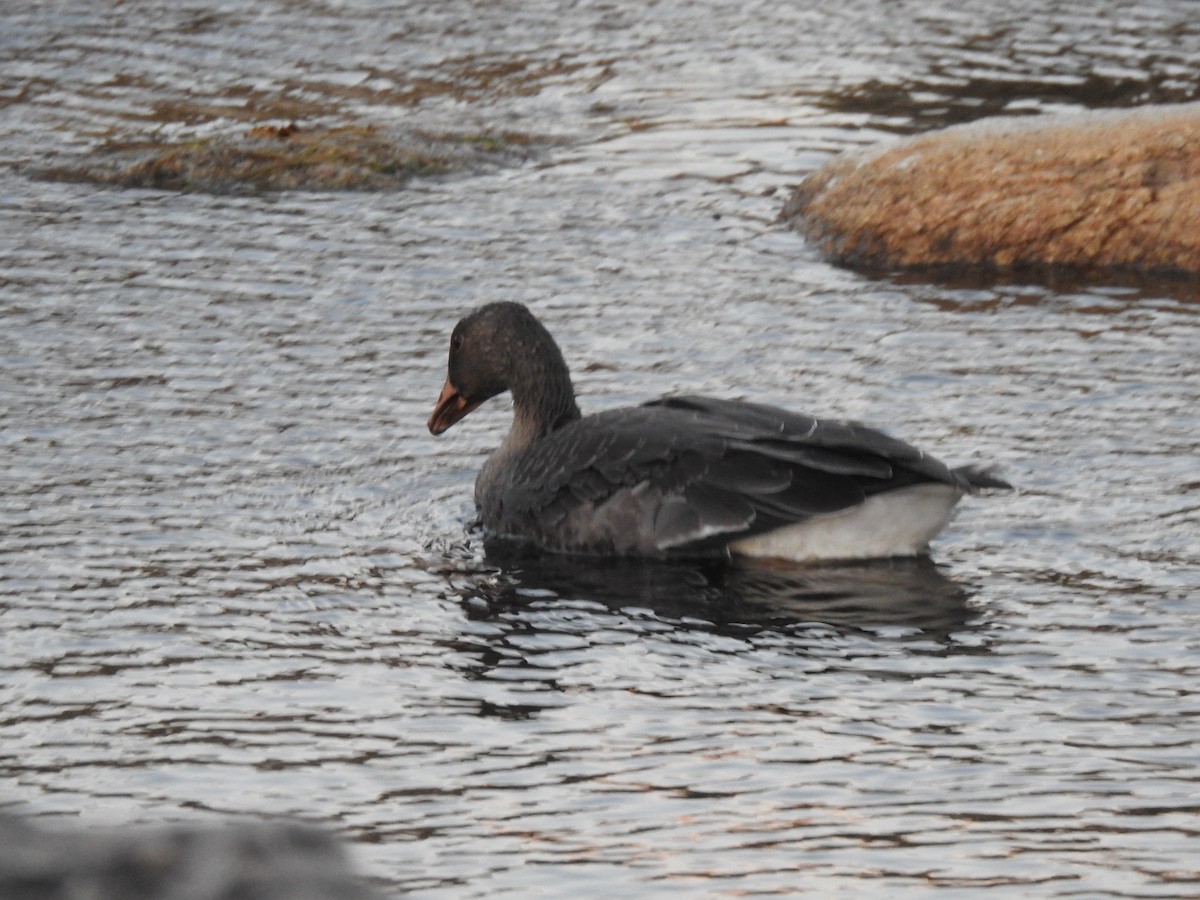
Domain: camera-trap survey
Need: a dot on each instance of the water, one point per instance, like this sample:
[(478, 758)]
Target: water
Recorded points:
[(235, 573)]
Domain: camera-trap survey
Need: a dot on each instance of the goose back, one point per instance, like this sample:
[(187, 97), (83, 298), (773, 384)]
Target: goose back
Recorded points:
[(689, 475)]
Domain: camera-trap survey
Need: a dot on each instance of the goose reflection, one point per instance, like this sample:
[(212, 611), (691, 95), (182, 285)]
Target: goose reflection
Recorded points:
[(908, 597)]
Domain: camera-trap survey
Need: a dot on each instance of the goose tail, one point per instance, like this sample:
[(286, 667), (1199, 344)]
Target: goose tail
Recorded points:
[(982, 478)]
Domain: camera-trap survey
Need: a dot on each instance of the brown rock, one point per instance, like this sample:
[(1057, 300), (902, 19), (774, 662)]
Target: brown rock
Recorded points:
[(1114, 190)]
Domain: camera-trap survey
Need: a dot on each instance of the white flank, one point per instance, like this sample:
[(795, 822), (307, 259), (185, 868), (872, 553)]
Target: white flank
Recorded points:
[(897, 523)]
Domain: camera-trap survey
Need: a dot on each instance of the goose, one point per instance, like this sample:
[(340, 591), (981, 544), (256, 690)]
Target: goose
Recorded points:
[(683, 476)]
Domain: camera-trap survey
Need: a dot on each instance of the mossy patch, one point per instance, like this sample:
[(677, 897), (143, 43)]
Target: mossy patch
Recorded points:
[(312, 134), (291, 157)]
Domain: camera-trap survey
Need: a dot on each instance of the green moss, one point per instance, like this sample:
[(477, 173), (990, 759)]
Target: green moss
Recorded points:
[(274, 158), (315, 155)]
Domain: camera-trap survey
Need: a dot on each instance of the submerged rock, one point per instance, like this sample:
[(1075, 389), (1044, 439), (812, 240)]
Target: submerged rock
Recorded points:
[(264, 861), (290, 157), (1111, 190)]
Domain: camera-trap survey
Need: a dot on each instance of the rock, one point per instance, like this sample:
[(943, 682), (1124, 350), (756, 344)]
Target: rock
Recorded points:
[(289, 157), (261, 860), (1113, 190)]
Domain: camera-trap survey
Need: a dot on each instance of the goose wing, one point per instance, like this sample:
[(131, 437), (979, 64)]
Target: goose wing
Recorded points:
[(688, 474)]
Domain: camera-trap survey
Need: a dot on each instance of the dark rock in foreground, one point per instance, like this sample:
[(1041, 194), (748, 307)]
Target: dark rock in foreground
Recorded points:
[(260, 861), (1112, 190)]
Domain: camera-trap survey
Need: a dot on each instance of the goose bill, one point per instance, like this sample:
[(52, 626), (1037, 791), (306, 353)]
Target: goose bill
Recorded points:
[(451, 406)]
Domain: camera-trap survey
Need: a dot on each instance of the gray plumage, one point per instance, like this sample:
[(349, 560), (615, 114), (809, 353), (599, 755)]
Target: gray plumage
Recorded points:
[(682, 475)]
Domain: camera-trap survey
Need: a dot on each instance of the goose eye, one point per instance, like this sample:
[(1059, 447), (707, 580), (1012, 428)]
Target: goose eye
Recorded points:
[(456, 341)]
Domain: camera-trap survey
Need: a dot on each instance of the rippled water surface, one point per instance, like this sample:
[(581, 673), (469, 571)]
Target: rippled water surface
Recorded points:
[(235, 572)]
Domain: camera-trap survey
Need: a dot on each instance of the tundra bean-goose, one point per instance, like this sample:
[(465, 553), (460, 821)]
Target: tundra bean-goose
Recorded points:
[(683, 475)]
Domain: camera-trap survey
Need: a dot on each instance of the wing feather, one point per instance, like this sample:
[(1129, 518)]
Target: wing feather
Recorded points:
[(702, 472)]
